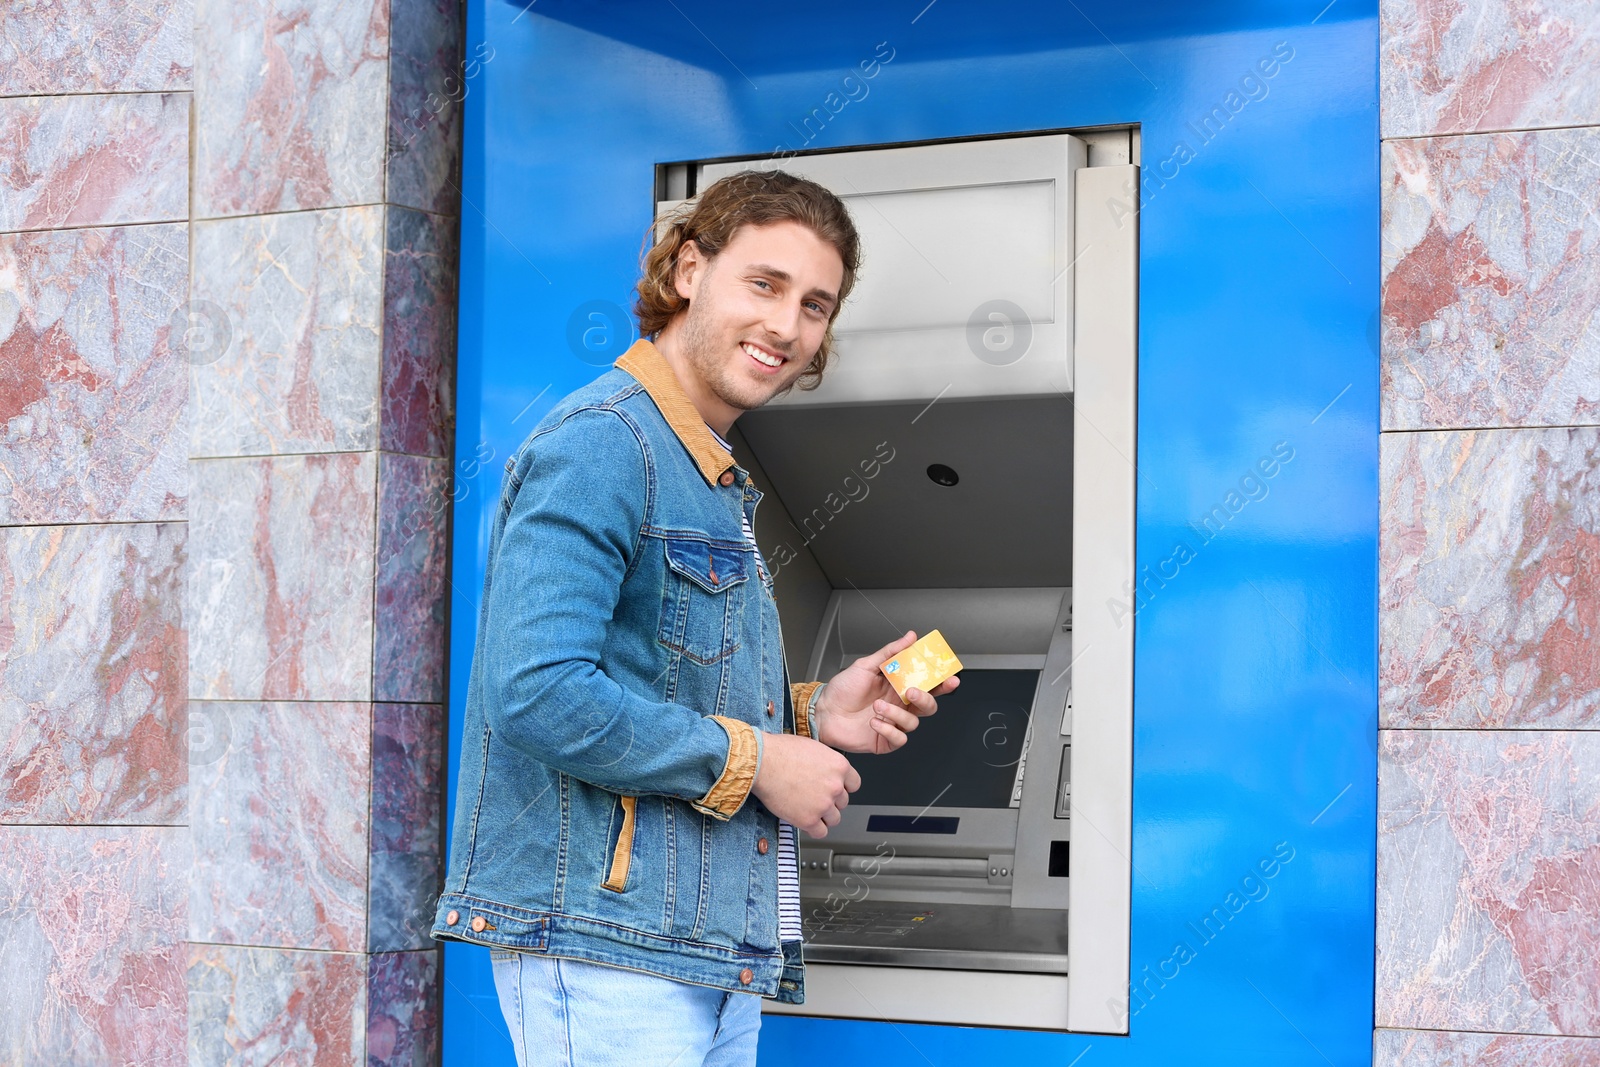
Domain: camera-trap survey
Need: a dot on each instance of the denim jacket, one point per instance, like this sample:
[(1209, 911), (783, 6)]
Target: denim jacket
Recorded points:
[(628, 664)]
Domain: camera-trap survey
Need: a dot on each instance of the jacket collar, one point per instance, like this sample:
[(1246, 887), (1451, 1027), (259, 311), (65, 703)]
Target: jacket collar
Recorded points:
[(646, 363)]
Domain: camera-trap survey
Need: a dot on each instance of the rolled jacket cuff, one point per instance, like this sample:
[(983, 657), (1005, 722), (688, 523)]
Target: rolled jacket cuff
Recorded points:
[(804, 697), (727, 795)]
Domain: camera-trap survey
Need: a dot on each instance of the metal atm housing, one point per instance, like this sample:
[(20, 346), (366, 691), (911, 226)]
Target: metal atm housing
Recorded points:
[(968, 464)]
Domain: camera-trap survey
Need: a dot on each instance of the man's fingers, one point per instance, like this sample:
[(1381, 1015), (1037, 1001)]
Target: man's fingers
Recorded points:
[(904, 718), (831, 817), (920, 701), (890, 736), (852, 780), (884, 653)]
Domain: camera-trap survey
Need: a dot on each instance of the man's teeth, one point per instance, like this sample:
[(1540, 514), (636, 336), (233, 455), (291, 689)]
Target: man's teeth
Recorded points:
[(757, 354)]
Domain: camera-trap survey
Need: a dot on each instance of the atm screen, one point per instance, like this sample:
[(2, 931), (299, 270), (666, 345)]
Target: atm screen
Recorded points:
[(963, 756)]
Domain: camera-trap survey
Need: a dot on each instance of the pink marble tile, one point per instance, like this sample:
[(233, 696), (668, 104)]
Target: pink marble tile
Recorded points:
[(291, 97), (92, 954), (1491, 280), (255, 1007), (93, 160), (281, 579), (1431, 1048), (92, 398), (429, 79), (405, 873), (279, 824), (413, 564), (1449, 66), (1489, 881), (1489, 578), (301, 297), (403, 1009), (81, 46), (419, 333), (93, 674)]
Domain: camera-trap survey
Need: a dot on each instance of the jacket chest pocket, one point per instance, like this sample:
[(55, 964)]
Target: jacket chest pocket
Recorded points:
[(702, 599)]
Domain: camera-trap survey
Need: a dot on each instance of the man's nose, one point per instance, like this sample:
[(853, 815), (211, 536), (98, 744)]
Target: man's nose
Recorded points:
[(783, 323)]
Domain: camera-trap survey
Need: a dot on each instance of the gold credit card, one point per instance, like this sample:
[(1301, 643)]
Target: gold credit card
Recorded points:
[(923, 666)]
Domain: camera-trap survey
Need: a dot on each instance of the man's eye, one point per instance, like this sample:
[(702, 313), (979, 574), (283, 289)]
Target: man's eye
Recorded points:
[(762, 283), (818, 308)]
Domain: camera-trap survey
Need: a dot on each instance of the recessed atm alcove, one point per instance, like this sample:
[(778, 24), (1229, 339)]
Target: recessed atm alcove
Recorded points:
[(967, 464)]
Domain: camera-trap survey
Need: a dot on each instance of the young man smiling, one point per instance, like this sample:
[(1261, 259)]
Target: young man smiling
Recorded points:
[(635, 758)]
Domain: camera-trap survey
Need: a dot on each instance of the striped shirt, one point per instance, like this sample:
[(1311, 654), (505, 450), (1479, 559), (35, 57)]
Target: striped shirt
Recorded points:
[(788, 850)]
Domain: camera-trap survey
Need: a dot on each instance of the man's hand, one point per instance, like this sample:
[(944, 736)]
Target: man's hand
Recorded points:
[(804, 781), (859, 710)]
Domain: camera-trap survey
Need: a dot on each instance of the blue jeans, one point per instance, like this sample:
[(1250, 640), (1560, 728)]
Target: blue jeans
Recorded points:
[(569, 1013)]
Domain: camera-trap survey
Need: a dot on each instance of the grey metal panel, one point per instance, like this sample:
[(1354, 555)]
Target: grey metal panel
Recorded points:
[(949, 231), (983, 830), (899, 528), (929, 995), (976, 622), (799, 586), (958, 936), (1037, 826), (967, 959), (1102, 691)]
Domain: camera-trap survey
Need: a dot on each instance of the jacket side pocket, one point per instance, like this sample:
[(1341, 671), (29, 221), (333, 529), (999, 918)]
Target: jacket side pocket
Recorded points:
[(622, 855)]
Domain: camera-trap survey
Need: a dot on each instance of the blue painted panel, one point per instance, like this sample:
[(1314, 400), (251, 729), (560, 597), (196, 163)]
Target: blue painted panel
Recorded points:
[(1255, 704)]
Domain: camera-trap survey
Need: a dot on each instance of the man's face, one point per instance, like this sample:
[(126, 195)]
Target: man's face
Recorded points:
[(758, 311)]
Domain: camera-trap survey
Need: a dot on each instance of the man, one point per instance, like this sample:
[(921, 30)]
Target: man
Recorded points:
[(634, 757)]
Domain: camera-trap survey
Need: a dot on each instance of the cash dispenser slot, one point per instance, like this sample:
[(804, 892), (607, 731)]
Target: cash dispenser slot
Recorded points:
[(966, 465)]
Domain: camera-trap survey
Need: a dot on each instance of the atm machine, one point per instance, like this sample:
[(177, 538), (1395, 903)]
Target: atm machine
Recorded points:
[(969, 464)]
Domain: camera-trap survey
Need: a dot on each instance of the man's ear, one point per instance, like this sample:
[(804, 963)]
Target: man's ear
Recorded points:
[(690, 265)]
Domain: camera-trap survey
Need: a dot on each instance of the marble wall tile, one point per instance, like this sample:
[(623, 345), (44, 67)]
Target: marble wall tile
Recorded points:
[(93, 160), (413, 560), (419, 333), (93, 674), (1491, 280), (403, 1009), (254, 1007), (300, 297), (92, 397), (81, 46), (279, 823), (1489, 881), (281, 579), (1452, 66), (1430, 1048), (406, 873), (1489, 579), (92, 953), (292, 110), (428, 80)]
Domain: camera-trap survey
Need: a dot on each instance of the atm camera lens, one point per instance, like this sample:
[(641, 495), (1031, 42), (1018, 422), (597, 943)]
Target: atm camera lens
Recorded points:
[(943, 475)]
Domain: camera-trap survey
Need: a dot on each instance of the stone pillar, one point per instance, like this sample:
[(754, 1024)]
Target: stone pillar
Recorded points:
[(227, 287), (1489, 775), (324, 260)]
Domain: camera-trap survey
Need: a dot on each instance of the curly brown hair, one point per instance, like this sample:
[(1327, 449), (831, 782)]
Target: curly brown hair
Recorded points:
[(748, 198)]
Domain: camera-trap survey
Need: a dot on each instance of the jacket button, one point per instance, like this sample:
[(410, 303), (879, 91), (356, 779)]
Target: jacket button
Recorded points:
[(727, 478), (762, 846), (452, 918), (745, 977), (769, 708), (478, 923)]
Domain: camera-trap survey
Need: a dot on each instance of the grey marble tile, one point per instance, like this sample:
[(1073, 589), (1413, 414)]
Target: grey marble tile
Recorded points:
[(298, 302)]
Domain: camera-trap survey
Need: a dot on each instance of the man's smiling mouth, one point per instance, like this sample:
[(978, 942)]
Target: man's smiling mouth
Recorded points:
[(761, 356)]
